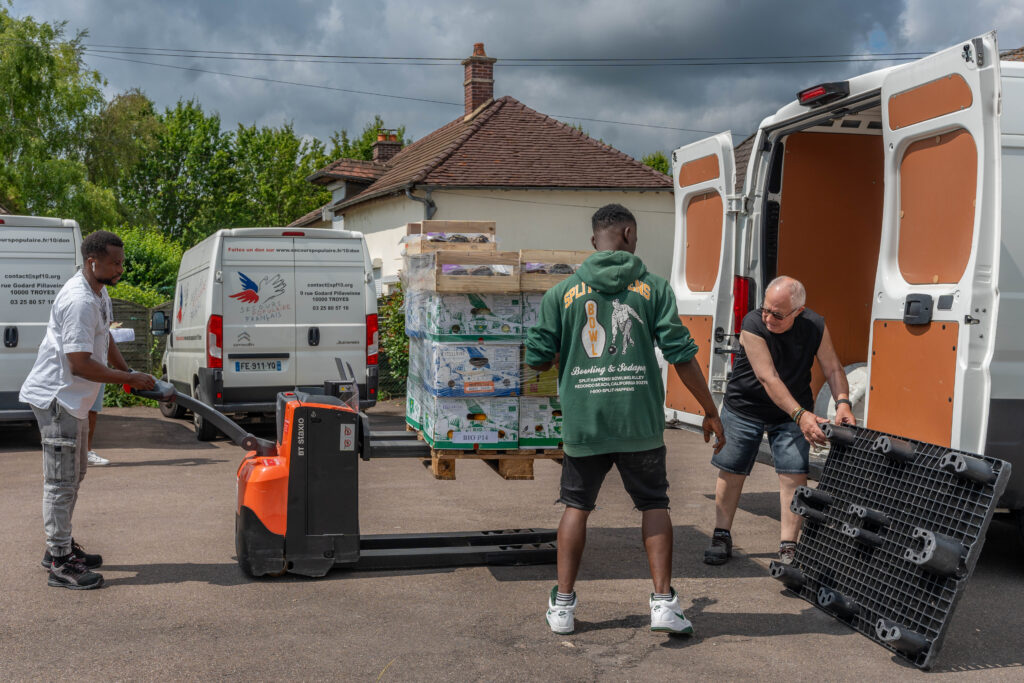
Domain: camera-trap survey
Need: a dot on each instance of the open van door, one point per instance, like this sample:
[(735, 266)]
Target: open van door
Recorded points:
[(933, 317), (704, 176)]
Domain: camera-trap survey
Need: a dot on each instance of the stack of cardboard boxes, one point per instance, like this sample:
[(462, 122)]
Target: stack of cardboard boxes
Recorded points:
[(468, 307)]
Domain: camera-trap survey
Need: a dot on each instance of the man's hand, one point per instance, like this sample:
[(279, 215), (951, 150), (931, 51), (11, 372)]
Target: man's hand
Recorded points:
[(812, 432), (714, 425), (141, 380), (844, 416)]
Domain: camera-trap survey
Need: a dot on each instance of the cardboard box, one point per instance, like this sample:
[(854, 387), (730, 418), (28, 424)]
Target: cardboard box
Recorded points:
[(465, 423), (536, 383), (413, 404), (540, 422), (462, 369), (464, 317)]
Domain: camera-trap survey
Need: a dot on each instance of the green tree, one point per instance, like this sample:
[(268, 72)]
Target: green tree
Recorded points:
[(271, 167), (186, 186), (362, 146), (658, 161), (124, 132), (47, 98), (151, 261)]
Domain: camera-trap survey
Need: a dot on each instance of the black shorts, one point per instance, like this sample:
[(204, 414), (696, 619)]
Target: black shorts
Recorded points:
[(643, 476)]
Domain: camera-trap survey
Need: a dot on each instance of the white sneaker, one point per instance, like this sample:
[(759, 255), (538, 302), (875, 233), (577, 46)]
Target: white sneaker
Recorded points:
[(667, 616), (561, 618), (97, 460)]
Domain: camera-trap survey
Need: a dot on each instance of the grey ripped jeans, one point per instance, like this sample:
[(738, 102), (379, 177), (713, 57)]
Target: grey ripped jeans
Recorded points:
[(65, 458)]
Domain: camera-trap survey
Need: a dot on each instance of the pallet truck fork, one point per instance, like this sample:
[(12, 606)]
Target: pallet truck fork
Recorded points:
[(297, 508)]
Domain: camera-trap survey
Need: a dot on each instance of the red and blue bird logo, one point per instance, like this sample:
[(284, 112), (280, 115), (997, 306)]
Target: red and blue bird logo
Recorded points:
[(270, 287)]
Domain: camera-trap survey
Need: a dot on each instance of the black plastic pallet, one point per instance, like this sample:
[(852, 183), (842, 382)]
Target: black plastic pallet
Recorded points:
[(891, 535)]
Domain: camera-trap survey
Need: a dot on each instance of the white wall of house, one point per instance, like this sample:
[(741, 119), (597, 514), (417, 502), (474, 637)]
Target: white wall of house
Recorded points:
[(555, 219)]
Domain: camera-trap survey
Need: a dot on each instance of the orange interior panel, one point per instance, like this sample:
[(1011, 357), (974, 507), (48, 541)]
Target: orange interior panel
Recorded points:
[(938, 183), (912, 380), (830, 227), (699, 170), (677, 396), (942, 96), (703, 241)]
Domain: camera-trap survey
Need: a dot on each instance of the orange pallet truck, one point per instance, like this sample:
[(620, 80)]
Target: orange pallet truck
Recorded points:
[(298, 499)]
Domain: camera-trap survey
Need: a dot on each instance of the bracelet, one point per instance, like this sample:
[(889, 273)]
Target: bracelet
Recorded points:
[(844, 400), (797, 414)]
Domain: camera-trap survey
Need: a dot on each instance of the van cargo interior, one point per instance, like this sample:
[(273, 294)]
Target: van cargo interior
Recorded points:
[(823, 222)]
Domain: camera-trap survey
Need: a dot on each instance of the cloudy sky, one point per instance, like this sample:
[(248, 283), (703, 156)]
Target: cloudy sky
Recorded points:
[(674, 101)]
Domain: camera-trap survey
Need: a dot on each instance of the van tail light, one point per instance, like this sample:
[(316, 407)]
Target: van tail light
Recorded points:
[(742, 302), (215, 342), (372, 330)]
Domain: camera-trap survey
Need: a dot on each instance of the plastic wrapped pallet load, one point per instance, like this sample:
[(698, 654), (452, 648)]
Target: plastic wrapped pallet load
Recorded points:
[(464, 322)]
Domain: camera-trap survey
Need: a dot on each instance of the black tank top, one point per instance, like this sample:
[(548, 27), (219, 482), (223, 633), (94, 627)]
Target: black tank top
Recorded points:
[(793, 353)]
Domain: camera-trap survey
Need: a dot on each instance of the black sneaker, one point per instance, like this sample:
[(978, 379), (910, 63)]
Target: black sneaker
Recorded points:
[(720, 549), (787, 551), (72, 573), (88, 559)]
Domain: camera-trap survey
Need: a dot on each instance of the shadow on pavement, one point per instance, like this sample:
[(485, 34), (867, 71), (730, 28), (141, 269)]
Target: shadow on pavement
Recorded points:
[(120, 431), (224, 574), (166, 462), (619, 554), (760, 503)]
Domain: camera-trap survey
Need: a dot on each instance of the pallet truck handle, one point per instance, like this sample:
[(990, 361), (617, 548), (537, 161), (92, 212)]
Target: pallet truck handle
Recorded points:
[(164, 391)]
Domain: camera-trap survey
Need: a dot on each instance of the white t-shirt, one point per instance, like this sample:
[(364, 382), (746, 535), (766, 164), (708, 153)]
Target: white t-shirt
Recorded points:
[(79, 321)]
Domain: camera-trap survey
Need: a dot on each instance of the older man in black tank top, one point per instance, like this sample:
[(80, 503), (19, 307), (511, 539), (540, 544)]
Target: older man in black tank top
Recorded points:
[(769, 393)]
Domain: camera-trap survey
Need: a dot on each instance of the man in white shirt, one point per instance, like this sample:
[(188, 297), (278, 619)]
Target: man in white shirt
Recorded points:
[(69, 370)]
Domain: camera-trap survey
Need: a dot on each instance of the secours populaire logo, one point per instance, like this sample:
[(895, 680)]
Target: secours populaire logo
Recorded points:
[(268, 289), (181, 301)]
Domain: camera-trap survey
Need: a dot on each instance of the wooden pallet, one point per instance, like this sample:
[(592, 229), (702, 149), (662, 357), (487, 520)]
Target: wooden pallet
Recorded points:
[(509, 464)]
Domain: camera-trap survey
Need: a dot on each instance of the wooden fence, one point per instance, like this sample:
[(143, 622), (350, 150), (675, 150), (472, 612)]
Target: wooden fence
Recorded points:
[(145, 352)]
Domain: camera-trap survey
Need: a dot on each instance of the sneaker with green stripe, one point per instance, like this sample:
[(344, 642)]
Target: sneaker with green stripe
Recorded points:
[(561, 618), (667, 616)]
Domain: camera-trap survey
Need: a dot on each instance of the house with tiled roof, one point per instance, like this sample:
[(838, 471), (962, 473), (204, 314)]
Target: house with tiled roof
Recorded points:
[(539, 179)]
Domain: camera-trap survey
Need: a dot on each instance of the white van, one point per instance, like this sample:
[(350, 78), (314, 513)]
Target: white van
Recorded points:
[(896, 198), (257, 311), (37, 256)]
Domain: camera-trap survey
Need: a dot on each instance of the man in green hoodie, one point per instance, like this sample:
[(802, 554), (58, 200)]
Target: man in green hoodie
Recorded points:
[(603, 323)]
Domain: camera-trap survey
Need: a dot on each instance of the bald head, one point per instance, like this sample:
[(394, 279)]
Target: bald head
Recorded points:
[(793, 289)]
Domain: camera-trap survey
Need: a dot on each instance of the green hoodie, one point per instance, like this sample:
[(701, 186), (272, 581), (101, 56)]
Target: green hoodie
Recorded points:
[(605, 321)]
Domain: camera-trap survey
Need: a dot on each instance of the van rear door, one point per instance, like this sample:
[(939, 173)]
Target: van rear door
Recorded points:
[(704, 176), (330, 287), (259, 317), (35, 262), (933, 317)]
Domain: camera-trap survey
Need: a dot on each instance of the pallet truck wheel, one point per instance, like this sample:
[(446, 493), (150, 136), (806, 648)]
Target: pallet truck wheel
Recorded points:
[(204, 430), (171, 409)]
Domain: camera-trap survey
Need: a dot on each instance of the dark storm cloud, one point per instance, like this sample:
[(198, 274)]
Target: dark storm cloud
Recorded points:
[(710, 98)]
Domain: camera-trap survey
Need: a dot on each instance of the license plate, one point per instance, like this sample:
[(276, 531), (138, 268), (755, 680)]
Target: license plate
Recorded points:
[(257, 366)]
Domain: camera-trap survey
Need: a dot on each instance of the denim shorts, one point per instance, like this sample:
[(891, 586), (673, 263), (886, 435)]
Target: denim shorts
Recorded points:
[(743, 438), (643, 476)]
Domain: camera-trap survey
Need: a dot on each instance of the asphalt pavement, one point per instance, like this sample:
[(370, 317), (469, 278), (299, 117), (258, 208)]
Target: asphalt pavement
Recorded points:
[(176, 607)]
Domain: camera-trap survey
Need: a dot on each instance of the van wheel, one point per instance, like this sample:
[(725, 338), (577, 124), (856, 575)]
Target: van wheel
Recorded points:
[(204, 430), (171, 409), (857, 377)]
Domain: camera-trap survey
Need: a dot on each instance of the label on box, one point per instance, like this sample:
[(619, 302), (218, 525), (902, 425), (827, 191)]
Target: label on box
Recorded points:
[(475, 437), (455, 317)]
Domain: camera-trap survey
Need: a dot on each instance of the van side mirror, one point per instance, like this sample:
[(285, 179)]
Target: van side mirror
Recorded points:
[(161, 324)]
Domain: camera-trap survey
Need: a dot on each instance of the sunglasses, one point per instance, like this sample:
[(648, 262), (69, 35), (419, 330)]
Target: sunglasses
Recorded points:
[(778, 316)]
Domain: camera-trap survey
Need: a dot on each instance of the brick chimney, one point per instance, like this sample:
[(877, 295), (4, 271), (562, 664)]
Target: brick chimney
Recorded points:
[(387, 145), (479, 84)]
